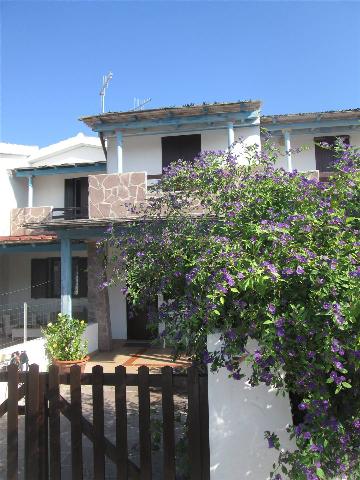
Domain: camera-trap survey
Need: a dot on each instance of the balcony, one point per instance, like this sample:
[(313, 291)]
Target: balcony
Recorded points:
[(69, 213)]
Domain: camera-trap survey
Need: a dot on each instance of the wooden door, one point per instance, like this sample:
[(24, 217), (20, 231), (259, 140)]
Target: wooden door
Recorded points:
[(138, 322)]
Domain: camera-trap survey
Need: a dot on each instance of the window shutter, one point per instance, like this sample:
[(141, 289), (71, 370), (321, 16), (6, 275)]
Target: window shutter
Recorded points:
[(84, 197), (325, 158), (39, 278), (185, 147), (69, 193)]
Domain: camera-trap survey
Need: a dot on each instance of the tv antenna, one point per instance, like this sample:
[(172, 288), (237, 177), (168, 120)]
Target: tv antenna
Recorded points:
[(105, 83), (139, 104)]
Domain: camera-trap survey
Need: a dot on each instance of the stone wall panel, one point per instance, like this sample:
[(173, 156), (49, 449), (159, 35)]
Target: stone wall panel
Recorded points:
[(115, 195)]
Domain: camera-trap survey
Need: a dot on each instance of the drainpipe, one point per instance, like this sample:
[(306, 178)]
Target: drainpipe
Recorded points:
[(231, 135), (30, 191), (288, 150)]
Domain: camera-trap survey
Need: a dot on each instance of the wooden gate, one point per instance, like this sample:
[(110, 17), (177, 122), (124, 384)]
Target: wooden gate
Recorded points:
[(44, 404)]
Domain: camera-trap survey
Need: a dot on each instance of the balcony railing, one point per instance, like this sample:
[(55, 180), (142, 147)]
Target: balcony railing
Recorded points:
[(69, 213)]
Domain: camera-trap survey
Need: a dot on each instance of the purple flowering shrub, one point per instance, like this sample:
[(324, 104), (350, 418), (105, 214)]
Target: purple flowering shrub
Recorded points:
[(259, 253)]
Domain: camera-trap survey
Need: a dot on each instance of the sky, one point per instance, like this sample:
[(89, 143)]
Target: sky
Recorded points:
[(293, 56)]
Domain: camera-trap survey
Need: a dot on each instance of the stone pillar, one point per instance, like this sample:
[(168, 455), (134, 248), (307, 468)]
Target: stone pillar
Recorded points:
[(98, 298)]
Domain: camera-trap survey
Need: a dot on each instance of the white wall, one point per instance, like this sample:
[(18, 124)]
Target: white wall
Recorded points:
[(13, 190), (18, 277), (83, 154), (144, 153), (305, 160), (238, 417), (49, 190), (118, 313), (35, 350)]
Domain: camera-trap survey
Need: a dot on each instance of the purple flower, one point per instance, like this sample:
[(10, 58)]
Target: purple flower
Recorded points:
[(316, 448), (271, 308), (231, 334), (326, 306), (271, 442), (356, 424), (302, 406), (306, 435), (206, 357), (338, 364), (257, 356), (221, 288), (299, 270), (228, 279)]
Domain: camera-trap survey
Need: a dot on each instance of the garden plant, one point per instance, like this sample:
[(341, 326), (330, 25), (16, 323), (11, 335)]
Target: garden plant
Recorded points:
[(63, 339), (240, 247)]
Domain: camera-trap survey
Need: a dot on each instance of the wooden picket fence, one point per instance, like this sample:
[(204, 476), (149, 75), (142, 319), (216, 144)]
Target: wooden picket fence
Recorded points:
[(44, 404)]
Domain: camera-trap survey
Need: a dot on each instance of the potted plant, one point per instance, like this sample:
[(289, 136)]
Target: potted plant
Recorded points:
[(64, 344)]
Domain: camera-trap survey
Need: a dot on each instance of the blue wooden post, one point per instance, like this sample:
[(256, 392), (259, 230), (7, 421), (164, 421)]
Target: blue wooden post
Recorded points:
[(66, 276), (231, 134), (30, 191), (287, 142)]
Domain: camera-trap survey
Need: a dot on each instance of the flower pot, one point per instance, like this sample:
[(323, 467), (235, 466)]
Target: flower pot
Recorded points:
[(65, 365)]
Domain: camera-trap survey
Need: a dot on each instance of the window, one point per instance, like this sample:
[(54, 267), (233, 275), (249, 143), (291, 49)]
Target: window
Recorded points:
[(185, 147), (325, 158), (46, 277), (76, 197)]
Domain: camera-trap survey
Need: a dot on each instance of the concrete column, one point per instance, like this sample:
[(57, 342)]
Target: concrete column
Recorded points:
[(66, 276), (115, 153), (238, 417), (30, 191), (98, 297), (288, 150), (231, 134)]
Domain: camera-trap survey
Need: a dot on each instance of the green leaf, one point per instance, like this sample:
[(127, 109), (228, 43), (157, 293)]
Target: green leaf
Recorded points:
[(217, 312), (222, 300), (268, 322), (320, 473), (346, 385), (235, 290)]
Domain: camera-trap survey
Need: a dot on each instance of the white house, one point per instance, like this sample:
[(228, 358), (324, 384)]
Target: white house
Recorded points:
[(60, 199)]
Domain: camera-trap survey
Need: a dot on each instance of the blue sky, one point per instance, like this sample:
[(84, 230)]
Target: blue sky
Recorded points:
[(294, 56)]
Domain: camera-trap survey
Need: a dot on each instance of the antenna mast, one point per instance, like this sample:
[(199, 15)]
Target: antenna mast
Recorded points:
[(105, 84), (139, 104)]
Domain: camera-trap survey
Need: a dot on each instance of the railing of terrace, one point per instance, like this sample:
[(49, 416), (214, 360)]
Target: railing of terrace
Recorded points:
[(23, 321)]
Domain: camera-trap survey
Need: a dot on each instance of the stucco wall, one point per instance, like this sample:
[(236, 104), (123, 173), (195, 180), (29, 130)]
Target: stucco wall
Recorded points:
[(13, 190), (238, 417), (305, 160), (18, 277), (50, 190), (15, 276), (145, 154), (75, 155)]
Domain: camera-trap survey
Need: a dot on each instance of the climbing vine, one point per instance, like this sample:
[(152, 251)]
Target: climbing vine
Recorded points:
[(240, 247)]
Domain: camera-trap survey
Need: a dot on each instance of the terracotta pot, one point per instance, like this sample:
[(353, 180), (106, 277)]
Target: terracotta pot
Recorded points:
[(65, 365)]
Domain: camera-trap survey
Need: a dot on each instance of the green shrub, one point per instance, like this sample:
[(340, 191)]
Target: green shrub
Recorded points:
[(63, 339)]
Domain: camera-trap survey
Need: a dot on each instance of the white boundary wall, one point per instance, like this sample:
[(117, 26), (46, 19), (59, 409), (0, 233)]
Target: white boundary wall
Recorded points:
[(35, 350), (238, 417)]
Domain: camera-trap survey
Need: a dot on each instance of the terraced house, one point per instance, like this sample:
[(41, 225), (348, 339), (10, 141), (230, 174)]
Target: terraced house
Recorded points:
[(59, 200)]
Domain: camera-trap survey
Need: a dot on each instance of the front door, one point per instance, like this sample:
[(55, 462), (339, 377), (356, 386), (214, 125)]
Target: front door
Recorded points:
[(138, 322)]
